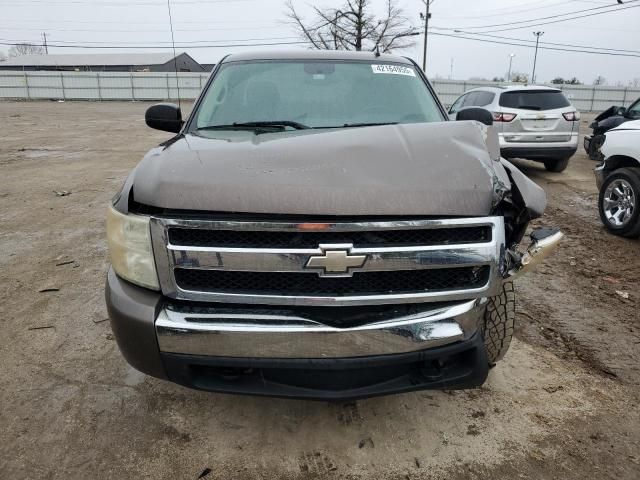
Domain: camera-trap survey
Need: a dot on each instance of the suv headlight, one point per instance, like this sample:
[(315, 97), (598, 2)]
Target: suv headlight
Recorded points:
[(129, 239)]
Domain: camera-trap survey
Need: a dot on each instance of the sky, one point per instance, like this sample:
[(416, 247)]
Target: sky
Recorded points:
[(134, 23)]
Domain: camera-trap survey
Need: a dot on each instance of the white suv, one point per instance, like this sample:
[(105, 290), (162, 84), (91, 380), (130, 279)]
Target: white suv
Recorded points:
[(534, 122)]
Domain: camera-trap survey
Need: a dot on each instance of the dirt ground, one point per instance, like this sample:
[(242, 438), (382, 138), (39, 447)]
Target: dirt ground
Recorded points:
[(562, 405)]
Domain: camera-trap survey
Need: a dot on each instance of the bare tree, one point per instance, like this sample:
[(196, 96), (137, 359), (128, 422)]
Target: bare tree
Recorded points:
[(25, 49), (355, 27), (567, 81), (519, 77), (600, 80)]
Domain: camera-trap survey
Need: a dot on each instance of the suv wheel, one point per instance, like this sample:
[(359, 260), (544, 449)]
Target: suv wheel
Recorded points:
[(499, 320), (619, 202), (558, 165)]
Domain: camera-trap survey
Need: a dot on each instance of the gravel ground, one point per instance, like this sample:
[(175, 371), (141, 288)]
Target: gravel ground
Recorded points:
[(563, 403)]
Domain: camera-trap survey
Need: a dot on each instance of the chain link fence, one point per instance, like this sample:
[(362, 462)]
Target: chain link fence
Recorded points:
[(165, 86)]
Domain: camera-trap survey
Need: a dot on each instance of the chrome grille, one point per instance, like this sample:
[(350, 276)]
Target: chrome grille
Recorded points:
[(361, 283), (269, 262), (390, 238)]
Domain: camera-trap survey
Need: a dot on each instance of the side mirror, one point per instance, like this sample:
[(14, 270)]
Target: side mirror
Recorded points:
[(621, 111), (164, 116), (475, 113)]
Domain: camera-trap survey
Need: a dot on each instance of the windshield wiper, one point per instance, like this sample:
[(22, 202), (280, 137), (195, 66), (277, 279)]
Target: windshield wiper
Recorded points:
[(372, 124), (274, 124)]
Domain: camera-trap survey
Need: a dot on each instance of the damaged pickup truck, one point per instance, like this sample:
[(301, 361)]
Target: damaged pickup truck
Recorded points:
[(317, 228)]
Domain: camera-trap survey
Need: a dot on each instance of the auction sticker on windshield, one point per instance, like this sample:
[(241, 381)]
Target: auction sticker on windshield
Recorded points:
[(393, 70)]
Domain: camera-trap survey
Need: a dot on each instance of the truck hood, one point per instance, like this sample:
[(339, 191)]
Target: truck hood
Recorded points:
[(445, 168), (630, 125)]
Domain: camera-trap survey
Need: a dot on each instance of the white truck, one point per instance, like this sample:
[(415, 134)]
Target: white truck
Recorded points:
[(618, 179)]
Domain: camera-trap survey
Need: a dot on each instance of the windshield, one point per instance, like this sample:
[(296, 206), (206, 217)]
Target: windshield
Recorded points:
[(323, 94), (534, 99), (634, 110)]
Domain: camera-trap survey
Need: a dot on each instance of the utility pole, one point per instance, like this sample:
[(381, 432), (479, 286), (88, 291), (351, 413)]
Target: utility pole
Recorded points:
[(451, 70), (46, 48), (511, 55), (535, 56), (426, 16)]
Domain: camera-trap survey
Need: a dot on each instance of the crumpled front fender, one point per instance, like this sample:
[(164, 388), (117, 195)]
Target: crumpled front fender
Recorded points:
[(525, 192)]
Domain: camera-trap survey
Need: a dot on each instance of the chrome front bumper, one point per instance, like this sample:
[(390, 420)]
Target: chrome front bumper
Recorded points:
[(264, 335)]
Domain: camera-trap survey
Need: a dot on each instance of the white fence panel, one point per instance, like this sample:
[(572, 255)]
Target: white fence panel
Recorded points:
[(115, 86), (165, 86), (13, 85), (80, 86), (579, 95), (44, 85), (150, 86)]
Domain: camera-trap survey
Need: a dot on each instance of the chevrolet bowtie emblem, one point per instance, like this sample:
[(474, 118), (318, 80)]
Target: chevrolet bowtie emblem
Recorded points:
[(335, 261)]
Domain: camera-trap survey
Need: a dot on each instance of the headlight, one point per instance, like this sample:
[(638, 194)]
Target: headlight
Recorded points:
[(129, 241)]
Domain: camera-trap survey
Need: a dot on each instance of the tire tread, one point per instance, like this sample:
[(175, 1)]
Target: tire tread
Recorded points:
[(499, 322)]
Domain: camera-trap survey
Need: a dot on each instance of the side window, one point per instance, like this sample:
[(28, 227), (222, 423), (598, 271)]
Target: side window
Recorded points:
[(472, 100), (457, 105), (634, 110), (483, 99)]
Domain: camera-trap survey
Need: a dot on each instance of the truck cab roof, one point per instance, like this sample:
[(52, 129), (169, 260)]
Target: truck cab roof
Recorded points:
[(312, 55)]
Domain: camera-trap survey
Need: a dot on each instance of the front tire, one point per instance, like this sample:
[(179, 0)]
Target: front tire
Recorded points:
[(619, 202), (499, 321), (557, 166)]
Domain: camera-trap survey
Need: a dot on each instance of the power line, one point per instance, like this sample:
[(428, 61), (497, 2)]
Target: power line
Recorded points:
[(124, 22), (155, 43), (612, 8), (189, 44), (501, 11), (105, 3), (136, 30), (533, 46), (561, 20), (58, 45), (302, 42), (547, 43)]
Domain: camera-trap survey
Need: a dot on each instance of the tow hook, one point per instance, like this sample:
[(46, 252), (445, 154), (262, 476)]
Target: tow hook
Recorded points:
[(544, 241)]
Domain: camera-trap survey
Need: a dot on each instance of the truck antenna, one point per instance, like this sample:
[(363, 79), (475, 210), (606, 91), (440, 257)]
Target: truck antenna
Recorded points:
[(175, 58)]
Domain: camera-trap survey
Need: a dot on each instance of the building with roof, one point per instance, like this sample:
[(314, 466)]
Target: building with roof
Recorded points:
[(105, 62)]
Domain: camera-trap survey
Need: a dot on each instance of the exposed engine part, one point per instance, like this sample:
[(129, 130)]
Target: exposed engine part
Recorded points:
[(544, 241)]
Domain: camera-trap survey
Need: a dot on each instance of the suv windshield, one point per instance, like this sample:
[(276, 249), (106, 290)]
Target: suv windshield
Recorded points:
[(534, 99), (323, 94)]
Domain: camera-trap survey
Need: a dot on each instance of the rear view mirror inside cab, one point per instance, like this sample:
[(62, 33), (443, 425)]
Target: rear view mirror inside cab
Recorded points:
[(319, 68)]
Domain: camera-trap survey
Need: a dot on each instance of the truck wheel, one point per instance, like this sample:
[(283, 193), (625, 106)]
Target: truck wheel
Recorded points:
[(619, 202), (499, 320), (557, 166)]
